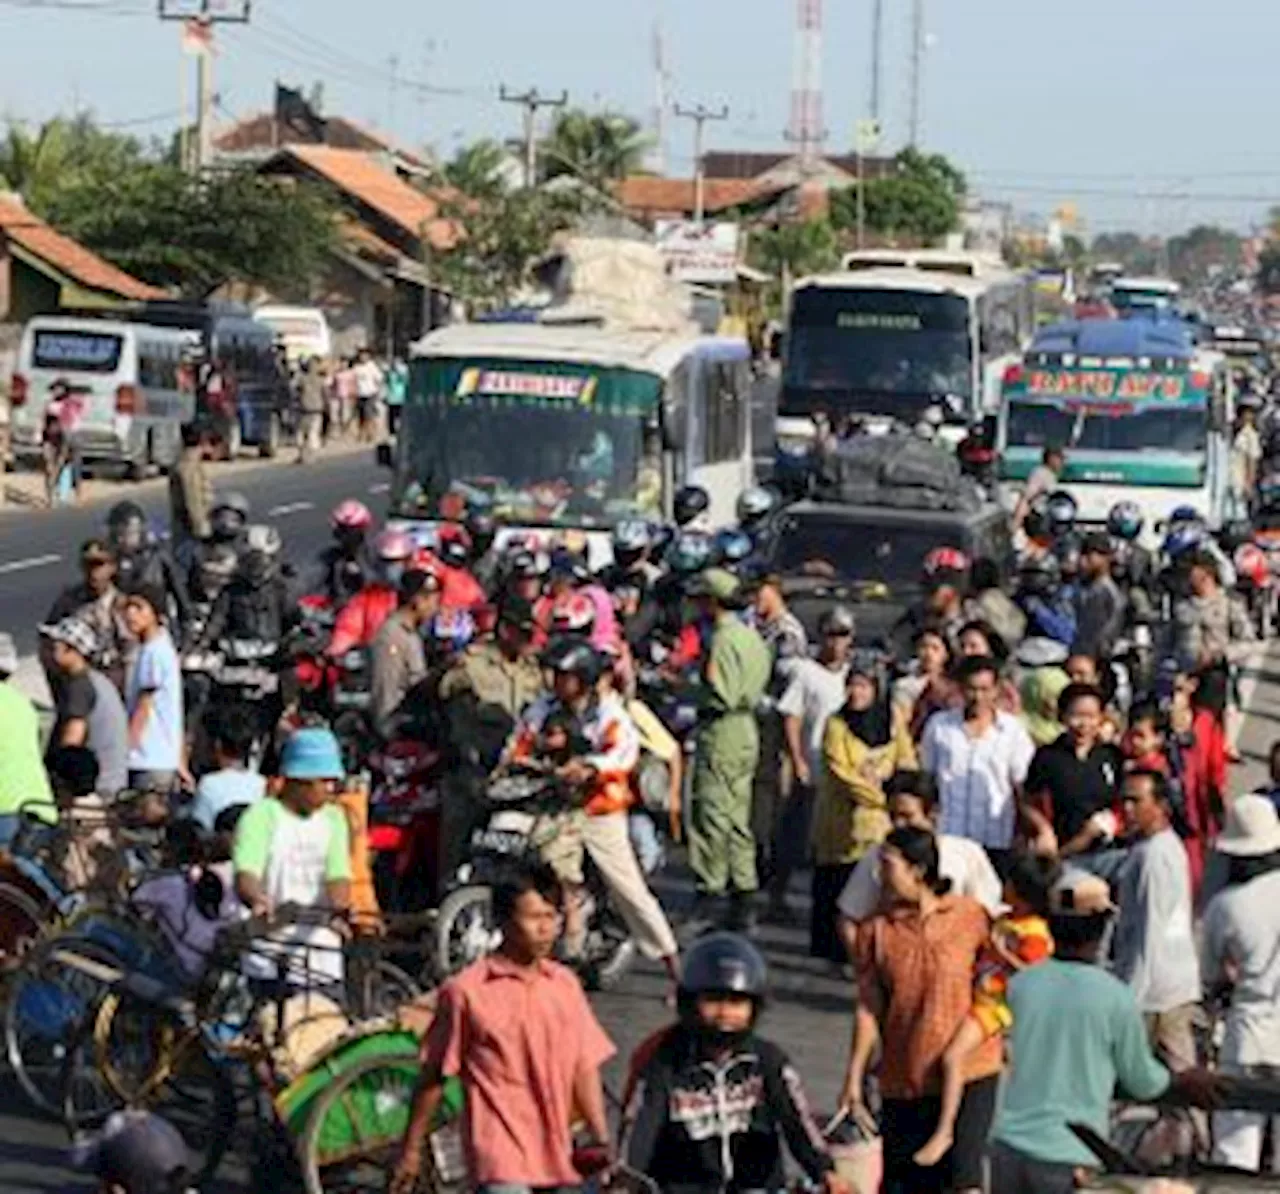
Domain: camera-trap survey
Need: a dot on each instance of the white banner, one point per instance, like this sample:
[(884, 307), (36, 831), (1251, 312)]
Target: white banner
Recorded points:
[(706, 255)]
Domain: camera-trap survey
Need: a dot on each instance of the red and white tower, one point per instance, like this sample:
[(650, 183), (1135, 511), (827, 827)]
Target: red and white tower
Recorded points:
[(806, 129)]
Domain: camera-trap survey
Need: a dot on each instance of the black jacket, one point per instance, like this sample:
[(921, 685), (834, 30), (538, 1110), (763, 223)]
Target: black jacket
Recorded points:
[(698, 1124)]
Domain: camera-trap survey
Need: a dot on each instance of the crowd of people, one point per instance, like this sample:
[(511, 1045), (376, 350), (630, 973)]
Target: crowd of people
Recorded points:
[(1034, 875)]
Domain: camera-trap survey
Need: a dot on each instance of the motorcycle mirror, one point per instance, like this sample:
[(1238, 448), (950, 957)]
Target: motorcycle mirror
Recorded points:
[(382, 456)]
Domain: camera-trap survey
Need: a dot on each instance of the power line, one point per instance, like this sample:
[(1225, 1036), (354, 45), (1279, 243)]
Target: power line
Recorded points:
[(88, 7), (531, 101)]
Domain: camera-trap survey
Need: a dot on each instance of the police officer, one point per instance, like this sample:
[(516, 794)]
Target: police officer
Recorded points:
[(736, 671)]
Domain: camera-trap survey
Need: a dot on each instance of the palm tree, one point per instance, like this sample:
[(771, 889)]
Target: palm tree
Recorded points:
[(32, 164), (476, 170), (596, 148)]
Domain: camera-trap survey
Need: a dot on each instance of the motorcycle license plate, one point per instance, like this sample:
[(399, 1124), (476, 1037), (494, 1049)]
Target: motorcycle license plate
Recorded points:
[(249, 677), (499, 841), (352, 700)]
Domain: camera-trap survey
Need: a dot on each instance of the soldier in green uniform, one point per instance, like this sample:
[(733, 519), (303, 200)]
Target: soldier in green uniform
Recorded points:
[(736, 670)]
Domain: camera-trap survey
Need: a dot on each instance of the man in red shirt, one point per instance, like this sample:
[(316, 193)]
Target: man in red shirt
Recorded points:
[(518, 1032)]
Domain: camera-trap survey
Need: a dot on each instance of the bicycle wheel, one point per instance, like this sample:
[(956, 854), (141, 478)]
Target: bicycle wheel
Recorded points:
[(376, 987), (353, 1135), (183, 1085), (48, 998), (22, 918)]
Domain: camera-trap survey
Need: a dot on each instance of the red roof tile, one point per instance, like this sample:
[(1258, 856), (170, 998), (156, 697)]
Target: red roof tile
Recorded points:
[(68, 256), (363, 177), (656, 196)]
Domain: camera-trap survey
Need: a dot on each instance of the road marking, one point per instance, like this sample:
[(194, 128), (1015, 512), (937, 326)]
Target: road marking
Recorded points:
[(290, 508), (382, 487), (23, 565)]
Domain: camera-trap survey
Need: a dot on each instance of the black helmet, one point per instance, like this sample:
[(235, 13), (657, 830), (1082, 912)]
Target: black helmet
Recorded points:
[(722, 964), (690, 501), (483, 530), (229, 517), (1039, 575), (573, 657), (126, 527), (1060, 510)]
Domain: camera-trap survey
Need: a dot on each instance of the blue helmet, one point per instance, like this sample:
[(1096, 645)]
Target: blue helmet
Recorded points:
[(732, 546), (1125, 521), (690, 553), (1184, 514), (1183, 538), (452, 629)]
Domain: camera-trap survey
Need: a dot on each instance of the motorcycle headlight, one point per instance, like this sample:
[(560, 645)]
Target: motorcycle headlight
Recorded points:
[(354, 661)]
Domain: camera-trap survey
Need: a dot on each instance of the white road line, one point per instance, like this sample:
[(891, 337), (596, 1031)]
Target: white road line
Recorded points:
[(290, 508), (383, 487), (32, 562)]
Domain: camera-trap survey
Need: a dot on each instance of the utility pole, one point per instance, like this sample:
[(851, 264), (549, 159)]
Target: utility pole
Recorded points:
[(917, 69), (531, 101), (877, 50), (700, 115), (199, 17)]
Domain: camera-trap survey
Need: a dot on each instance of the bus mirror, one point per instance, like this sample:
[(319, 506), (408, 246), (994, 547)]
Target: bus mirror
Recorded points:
[(672, 440), (382, 455)]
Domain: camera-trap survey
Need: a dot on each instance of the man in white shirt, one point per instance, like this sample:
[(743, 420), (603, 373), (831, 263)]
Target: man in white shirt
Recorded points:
[(369, 382), (1246, 455), (815, 690), (980, 757), (1042, 482)]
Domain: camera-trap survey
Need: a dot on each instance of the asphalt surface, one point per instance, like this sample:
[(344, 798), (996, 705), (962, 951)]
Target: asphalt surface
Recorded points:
[(39, 548)]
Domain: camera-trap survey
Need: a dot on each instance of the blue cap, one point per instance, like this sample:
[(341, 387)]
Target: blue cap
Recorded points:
[(311, 754)]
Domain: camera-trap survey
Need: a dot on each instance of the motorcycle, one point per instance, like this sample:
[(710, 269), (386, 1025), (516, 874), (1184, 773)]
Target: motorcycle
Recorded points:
[(404, 825), (464, 929), (1256, 585), (246, 677)]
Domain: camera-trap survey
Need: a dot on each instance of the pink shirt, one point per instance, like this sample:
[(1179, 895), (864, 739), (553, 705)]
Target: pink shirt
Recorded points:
[(517, 1038)]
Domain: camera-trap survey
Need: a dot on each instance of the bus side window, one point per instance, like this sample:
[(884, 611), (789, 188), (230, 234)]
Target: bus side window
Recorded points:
[(724, 411)]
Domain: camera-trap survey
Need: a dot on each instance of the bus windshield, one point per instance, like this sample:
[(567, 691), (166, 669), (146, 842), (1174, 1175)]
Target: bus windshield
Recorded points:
[(876, 351), (527, 454), (1106, 429)]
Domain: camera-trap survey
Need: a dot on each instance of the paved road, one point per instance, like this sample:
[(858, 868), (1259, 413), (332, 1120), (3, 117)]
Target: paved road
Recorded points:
[(38, 548), (809, 1011)]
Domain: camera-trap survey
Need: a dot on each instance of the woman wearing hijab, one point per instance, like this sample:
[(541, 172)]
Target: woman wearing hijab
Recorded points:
[(863, 745)]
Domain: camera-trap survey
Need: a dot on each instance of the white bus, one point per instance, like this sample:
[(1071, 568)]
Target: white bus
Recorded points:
[(1144, 294), (303, 331), (886, 345), (963, 262), (556, 428), (134, 381)]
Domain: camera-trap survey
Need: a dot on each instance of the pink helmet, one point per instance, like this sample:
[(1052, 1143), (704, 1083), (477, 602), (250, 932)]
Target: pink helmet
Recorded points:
[(351, 515), (393, 546), (574, 614)]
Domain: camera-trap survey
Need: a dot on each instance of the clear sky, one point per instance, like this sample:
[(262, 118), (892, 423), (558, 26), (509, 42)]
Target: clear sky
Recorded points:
[(1111, 104)]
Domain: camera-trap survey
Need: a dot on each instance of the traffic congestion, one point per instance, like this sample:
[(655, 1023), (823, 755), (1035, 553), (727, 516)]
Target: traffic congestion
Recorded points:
[(325, 854)]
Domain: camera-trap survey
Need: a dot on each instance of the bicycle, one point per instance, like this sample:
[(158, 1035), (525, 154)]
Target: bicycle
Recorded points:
[(187, 1055)]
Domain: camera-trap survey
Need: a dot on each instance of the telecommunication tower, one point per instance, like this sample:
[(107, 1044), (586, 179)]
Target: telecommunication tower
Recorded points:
[(806, 129)]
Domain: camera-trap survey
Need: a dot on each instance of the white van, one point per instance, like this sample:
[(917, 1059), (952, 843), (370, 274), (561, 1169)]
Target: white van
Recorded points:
[(131, 378), (304, 331)]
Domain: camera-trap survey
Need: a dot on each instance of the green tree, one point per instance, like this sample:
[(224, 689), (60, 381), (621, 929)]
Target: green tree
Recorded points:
[(194, 234), (476, 169), (597, 148), (791, 251), (1137, 254), (920, 200), (503, 236), (1203, 253), (1269, 268)]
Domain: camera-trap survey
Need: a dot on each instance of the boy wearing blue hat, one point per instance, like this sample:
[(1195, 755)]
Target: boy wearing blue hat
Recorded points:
[(294, 848)]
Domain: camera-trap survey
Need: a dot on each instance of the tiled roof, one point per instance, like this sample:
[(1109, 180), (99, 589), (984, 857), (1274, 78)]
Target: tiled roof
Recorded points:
[(67, 256), (265, 132), (364, 178), (657, 195)]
